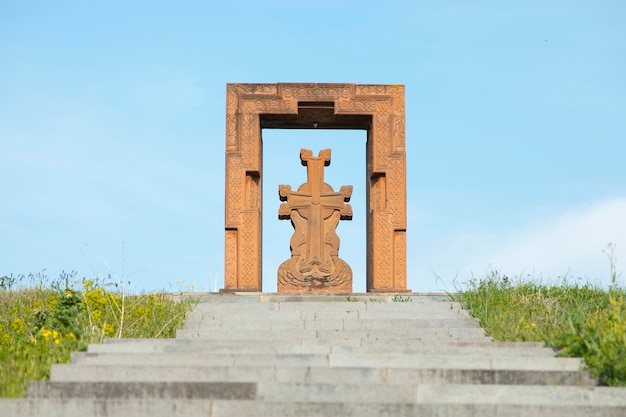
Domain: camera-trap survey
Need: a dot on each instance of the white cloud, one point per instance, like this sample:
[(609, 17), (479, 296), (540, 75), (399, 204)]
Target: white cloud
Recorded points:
[(574, 243)]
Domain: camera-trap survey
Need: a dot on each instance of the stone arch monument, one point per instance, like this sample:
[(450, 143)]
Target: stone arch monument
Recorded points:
[(378, 109)]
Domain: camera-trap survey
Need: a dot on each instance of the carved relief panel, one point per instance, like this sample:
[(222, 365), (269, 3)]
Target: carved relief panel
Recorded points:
[(315, 210)]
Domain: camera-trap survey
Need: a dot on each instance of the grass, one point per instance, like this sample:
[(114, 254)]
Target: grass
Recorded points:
[(577, 320), (42, 322), (400, 299)]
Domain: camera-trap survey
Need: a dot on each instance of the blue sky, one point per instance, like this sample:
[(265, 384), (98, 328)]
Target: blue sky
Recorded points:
[(112, 122)]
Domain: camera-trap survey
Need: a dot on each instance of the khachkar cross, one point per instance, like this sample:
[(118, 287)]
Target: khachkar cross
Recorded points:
[(315, 210)]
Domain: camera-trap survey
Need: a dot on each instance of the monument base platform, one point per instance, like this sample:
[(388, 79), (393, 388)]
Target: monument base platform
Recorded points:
[(389, 291), (341, 289)]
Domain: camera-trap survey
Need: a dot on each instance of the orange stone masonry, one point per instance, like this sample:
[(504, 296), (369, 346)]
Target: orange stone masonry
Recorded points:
[(377, 108), (315, 210)]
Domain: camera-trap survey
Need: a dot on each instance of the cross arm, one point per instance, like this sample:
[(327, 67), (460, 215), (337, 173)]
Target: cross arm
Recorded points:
[(346, 191), (284, 191)]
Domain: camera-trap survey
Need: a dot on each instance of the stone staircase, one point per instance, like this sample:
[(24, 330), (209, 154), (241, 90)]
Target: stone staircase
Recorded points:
[(269, 355)]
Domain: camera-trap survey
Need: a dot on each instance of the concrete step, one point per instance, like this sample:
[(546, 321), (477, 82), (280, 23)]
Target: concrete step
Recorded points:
[(157, 373), (336, 307), (271, 409), (408, 342), (389, 343), (366, 339), (207, 373), (142, 389), (335, 392), (442, 394), (335, 314), (397, 342), (208, 346), (441, 361), (81, 407), (269, 346), (479, 349), (522, 395), (190, 359), (455, 362), (242, 408), (331, 335), (328, 324)]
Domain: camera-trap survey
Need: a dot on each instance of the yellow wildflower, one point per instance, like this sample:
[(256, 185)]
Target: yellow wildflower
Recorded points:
[(109, 330), (18, 325)]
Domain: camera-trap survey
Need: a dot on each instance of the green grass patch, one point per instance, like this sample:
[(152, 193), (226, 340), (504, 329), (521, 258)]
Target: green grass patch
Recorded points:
[(42, 322), (577, 320)]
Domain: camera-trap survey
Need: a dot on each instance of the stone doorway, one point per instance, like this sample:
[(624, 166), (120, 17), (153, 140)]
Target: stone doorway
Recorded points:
[(378, 109), (281, 164)]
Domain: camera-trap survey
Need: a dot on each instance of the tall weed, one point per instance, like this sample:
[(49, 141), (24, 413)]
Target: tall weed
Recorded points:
[(577, 320), (42, 322)]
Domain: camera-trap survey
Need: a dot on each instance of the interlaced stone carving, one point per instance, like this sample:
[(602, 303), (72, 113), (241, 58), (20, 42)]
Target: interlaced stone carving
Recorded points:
[(315, 210)]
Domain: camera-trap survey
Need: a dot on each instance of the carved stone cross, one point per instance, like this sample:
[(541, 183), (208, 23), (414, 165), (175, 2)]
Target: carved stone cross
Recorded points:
[(315, 210)]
